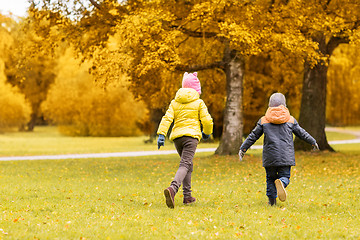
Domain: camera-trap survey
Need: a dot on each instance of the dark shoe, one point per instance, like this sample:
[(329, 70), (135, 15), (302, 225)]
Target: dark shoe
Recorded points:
[(189, 200), (272, 201), (169, 195), (280, 190)]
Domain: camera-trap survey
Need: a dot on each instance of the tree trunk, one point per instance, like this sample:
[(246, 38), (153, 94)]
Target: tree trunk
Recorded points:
[(231, 138), (313, 103), (153, 124), (31, 124)]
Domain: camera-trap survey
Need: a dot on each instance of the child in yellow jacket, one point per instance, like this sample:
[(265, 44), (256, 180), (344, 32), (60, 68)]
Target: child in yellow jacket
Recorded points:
[(189, 114)]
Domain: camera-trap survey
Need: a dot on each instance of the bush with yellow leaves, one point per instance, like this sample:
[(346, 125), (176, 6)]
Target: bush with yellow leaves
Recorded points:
[(14, 109), (80, 107)]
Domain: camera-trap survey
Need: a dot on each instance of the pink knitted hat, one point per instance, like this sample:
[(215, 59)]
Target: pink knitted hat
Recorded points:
[(190, 80)]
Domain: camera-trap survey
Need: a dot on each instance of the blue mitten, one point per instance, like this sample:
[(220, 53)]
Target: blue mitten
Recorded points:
[(241, 154), (205, 136), (315, 147), (161, 141)]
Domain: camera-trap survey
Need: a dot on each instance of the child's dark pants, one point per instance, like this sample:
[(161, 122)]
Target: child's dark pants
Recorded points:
[(273, 173), (186, 147)]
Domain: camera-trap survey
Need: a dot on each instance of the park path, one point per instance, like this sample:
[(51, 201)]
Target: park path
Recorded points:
[(340, 130), (160, 152), (99, 155)]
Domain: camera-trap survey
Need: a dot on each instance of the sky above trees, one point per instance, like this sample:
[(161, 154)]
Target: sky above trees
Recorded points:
[(16, 7)]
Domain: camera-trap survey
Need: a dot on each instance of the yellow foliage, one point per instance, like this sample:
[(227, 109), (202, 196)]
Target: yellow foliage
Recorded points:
[(81, 107), (5, 37), (343, 99), (14, 109), (153, 40), (31, 58), (265, 75)]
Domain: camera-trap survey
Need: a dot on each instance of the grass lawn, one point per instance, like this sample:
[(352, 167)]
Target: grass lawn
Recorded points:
[(122, 198)]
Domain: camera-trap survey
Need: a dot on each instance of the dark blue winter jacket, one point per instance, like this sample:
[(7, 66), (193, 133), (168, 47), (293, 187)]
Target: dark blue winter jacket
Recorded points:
[(278, 128)]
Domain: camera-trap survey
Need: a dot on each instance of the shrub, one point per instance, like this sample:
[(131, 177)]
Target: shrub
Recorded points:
[(14, 109), (80, 107)]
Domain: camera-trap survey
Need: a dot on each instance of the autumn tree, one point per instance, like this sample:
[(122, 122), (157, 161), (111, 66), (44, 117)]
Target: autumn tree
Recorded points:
[(32, 57), (328, 24), (266, 74), (81, 107), (343, 87), (15, 110), (158, 40), (161, 39), (155, 83), (88, 24)]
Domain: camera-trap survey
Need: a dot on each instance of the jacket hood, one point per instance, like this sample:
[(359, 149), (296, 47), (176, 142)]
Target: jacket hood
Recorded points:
[(277, 115), (186, 95)]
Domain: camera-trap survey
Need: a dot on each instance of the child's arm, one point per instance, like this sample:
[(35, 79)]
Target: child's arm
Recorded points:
[(302, 134), (205, 119), (165, 123), (251, 139)]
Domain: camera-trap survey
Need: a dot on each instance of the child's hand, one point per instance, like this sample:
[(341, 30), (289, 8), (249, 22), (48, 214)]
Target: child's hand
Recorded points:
[(315, 147), (241, 154), (205, 136), (161, 141)]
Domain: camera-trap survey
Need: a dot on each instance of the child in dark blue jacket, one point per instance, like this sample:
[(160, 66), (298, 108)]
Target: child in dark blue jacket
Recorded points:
[(278, 127)]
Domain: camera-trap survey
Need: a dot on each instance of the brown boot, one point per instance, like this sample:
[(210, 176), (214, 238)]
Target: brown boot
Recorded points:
[(188, 200), (272, 201), (169, 195)]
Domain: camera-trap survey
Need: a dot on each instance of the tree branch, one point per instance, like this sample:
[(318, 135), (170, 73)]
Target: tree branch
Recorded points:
[(196, 34), (325, 7), (192, 68), (105, 11), (334, 42), (192, 33), (96, 4), (356, 25)]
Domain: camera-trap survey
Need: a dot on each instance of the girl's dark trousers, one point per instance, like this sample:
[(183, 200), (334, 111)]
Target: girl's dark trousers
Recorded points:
[(186, 147)]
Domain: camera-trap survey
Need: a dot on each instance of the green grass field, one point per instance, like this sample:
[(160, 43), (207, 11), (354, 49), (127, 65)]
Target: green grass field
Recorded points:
[(122, 198)]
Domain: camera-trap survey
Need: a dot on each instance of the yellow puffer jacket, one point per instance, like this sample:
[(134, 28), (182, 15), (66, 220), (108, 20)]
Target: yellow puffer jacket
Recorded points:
[(188, 112)]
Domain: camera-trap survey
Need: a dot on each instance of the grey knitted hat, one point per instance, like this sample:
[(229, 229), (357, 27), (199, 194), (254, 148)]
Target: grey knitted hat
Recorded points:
[(277, 99)]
